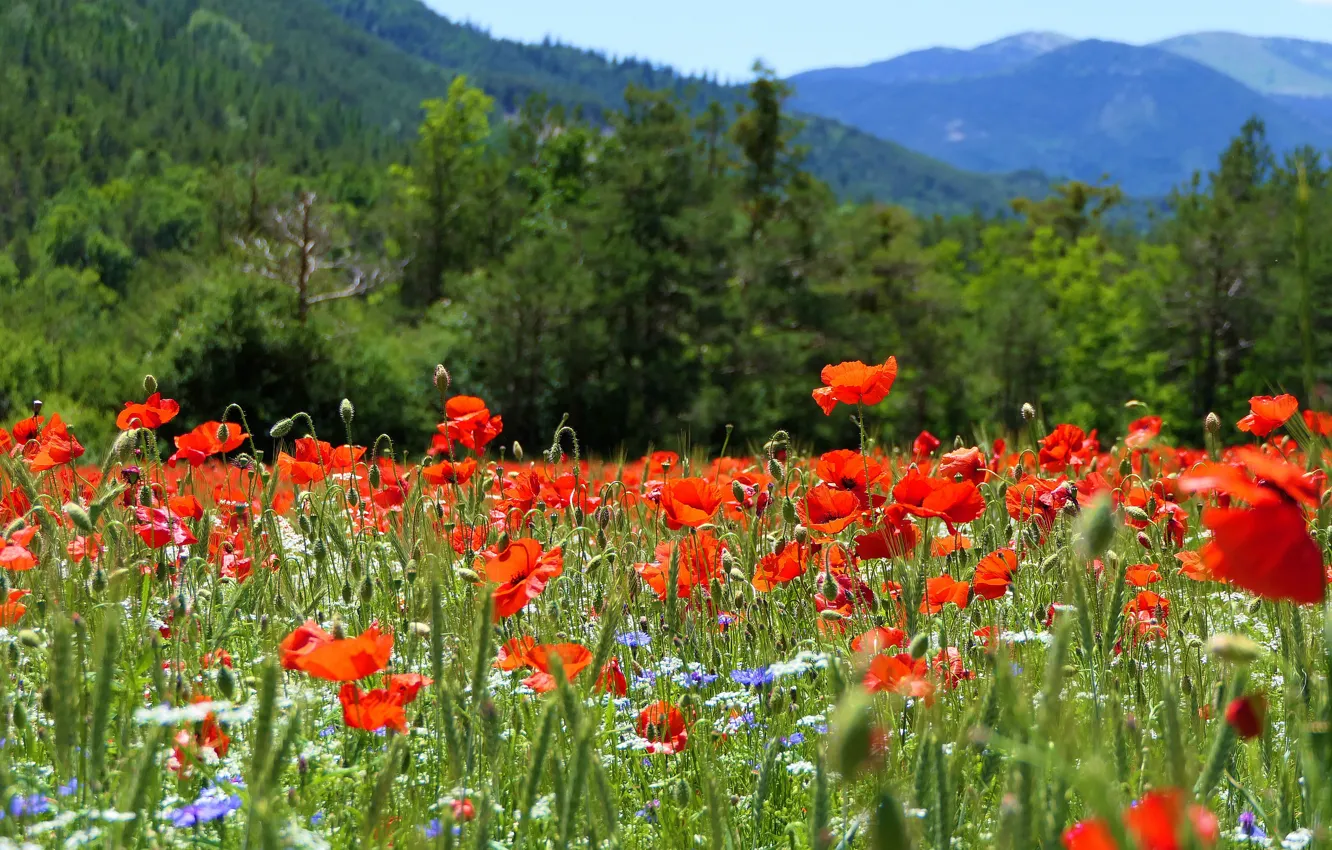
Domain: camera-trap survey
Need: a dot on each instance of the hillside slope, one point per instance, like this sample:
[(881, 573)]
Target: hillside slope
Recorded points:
[(855, 164), (1144, 116)]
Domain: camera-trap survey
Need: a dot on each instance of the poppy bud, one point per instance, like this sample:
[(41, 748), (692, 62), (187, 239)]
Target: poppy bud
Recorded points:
[(831, 616), (79, 517), (374, 476), (442, 379), (1212, 424), (1028, 412), (801, 534), (226, 681), (1143, 540), (99, 580), (353, 498), (222, 432), (367, 590), (1234, 648), (1097, 527), (738, 491), (920, 644), (347, 412), (1137, 514), (1245, 715), (149, 384), (467, 575), (346, 593), (851, 733), (738, 574), (829, 587), (281, 429), (30, 639), (680, 791), (775, 468), (36, 407)]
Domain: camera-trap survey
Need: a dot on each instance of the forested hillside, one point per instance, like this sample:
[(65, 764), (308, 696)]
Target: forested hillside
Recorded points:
[(661, 269)]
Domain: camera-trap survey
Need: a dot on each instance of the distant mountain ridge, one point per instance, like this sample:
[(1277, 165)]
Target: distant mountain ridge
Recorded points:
[(854, 163), (1146, 116)]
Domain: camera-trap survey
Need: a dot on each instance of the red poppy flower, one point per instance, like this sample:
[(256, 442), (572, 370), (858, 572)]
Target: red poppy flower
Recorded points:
[(514, 653), (853, 594), (1267, 413), (1156, 818), (1141, 575), (1191, 566), (780, 567), (994, 573), (468, 421), (12, 610), (198, 445), (151, 414), (28, 429), (1155, 823), (967, 464), (1035, 499), (55, 447), (371, 710), (1267, 550), (846, 469), (955, 502), (1319, 423), (312, 461), (1065, 446), (924, 445), (941, 590), (663, 726), (1245, 715), (942, 547), (574, 657), (15, 555), (1142, 431), (853, 382), (185, 506), (948, 667), (827, 510), (158, 527), (878, 639), (896, 537), (699, 562), (521, 571), (449, 472), (899, 674), (611, 680), (689, 502), (404, 687), (314, 651)]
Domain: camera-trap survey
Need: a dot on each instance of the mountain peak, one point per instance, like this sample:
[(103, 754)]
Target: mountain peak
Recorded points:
[(1031, 43)]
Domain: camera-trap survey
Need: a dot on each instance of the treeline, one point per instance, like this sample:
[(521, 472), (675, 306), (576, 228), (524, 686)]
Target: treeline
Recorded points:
[(672, 272)]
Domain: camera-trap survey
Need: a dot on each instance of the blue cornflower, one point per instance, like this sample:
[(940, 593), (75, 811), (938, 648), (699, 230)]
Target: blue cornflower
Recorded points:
[(694, 678), (32, 804), (754, 678), (209, 807), (793, 739), (649, 812), (434, 829), (68, 788), (1249, 830), (633, 640), (316, 819)]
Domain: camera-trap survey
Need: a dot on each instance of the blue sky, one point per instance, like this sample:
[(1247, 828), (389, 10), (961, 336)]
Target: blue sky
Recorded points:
[(726, 36)]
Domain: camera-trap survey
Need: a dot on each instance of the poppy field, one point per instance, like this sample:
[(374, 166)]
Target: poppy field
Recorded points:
[(253, 635)]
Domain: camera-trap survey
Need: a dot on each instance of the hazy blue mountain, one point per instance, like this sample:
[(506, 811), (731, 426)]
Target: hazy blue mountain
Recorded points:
[(1147, 117), (1280, 66), (944, 63)]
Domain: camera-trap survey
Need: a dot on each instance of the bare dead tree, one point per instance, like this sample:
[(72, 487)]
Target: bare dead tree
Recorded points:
[(301, 251)]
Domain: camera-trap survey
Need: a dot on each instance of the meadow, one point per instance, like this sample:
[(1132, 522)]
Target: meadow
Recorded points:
[(261, 636)]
